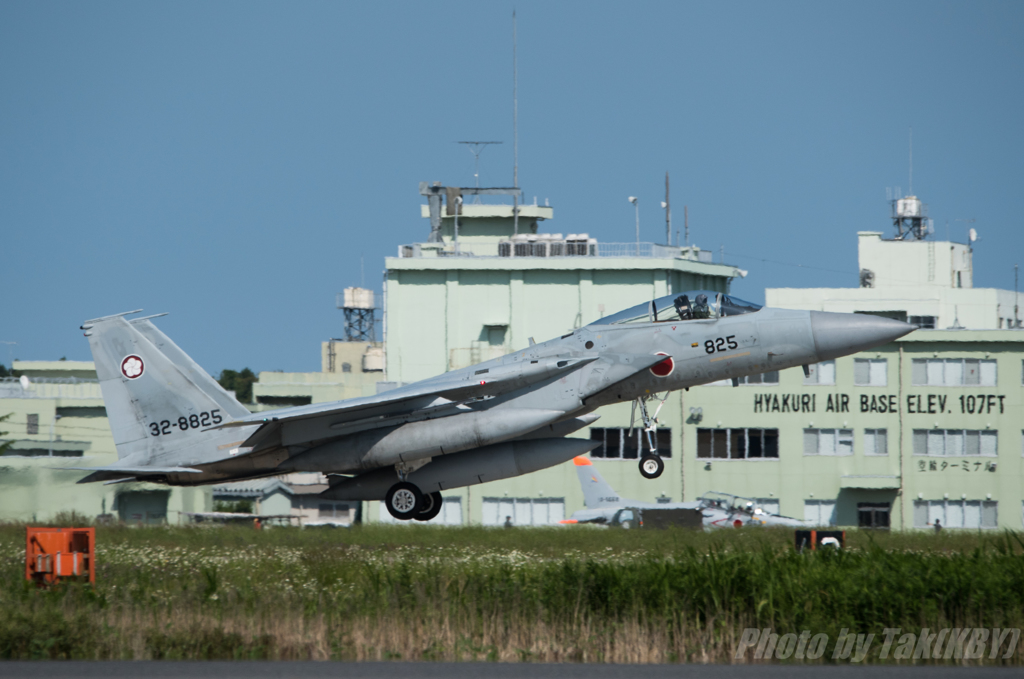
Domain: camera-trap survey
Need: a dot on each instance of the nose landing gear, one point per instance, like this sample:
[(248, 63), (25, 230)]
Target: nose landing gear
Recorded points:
[(651, 464)]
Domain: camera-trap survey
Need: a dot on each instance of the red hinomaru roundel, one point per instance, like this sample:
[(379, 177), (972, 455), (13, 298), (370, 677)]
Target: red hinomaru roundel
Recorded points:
[(132, 366), (665, 368)]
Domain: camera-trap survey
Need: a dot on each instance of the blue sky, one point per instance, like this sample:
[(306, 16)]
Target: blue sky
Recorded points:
[(232, 162)]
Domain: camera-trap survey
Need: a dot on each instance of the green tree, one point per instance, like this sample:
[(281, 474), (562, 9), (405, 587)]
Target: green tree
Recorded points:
[(240, 382)]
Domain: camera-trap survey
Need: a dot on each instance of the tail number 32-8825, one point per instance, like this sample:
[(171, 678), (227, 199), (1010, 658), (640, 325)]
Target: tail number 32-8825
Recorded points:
[(183, 423)]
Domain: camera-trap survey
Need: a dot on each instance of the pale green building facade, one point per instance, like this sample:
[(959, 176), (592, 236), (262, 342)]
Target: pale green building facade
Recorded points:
[(928, 427), (57, 419)]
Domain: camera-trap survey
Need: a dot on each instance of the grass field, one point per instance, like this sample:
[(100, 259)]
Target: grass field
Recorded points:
[(546, 595)]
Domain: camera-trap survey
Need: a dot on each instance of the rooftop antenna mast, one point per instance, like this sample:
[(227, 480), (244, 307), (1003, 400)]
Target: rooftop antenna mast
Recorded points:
[(515, 129), (911, 190), (668, 214), (476, 148)]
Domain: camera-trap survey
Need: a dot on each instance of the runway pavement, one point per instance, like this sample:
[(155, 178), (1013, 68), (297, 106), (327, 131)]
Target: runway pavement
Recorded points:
[(424, 670)]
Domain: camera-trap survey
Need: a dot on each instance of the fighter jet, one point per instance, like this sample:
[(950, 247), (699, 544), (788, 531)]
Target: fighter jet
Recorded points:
[(606, 507), (173, 424)]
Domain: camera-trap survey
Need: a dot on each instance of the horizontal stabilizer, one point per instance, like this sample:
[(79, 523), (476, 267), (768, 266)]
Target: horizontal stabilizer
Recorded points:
[(108, 473)]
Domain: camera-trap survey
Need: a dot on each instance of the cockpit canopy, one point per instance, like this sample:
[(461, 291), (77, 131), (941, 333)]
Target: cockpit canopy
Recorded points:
[(682, 306)]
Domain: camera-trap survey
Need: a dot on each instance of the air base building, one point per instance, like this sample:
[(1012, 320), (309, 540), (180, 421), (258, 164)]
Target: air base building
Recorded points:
[(922, 432)]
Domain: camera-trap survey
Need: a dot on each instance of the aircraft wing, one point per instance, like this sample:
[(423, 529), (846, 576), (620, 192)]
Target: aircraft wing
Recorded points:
[(435, 397)]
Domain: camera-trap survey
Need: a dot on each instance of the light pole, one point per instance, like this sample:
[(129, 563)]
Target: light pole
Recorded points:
[(636, 203), (52, 423), (458, 208)]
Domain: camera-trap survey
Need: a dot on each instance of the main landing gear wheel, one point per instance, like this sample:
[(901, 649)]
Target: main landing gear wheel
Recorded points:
[(651, 466), (431, 506), (403, 500)]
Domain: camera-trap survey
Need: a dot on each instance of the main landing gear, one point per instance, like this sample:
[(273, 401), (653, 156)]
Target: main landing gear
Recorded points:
[(405, 501), (651, 464)]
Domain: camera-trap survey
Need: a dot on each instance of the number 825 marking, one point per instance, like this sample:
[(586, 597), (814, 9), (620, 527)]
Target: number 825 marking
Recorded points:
[(720, 344)]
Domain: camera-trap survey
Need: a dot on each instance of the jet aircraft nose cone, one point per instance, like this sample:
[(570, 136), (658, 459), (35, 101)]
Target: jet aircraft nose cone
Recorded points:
[(838, 335)]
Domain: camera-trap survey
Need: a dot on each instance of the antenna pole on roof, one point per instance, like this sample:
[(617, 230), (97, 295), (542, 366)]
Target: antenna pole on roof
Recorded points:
[(1016, 318), (668, 214), (911, 190), (686, 225), (515, 128)]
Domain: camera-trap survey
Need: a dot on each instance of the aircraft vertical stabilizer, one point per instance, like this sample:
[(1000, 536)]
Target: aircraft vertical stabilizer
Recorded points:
[(596, 491), (155, 406)]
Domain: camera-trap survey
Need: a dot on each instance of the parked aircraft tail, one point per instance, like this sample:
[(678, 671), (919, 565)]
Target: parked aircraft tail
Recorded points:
[(596, 491), (158, 400)]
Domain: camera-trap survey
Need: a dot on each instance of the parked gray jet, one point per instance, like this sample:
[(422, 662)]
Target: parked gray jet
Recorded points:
[(173, 424), (606, 507)]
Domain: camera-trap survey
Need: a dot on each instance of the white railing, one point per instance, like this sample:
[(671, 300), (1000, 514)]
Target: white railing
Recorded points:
[(51, 387), (560, 249)]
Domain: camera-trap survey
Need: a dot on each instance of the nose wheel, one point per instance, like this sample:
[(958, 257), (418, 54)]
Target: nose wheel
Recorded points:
[(651, 466)]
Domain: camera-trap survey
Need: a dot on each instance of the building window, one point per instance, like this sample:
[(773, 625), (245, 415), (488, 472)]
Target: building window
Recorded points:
[(876, 442), (873, 514), (820, 512), (619, 444), (956, 513), (738, 444), (346, 367), (331, 510), (924, 322), (956, 442), (828, 442), (952, 372), (821, 373), (32, 423), (771, 377), (523, 511), (870, 372)]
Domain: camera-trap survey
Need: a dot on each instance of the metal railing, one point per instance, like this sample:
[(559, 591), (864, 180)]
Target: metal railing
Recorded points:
[(51, 387), (559, 249)]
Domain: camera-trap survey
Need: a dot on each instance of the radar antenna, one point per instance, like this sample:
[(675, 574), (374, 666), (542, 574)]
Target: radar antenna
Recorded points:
[(476, 148)]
